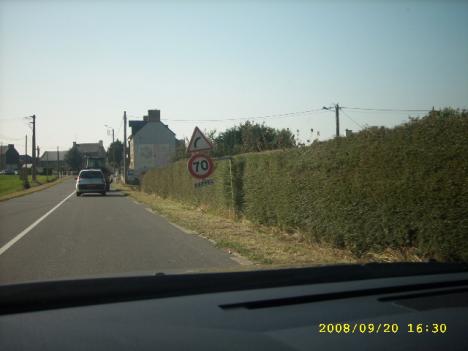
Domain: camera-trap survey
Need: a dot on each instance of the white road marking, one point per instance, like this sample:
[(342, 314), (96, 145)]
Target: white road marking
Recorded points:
[(28, 229)]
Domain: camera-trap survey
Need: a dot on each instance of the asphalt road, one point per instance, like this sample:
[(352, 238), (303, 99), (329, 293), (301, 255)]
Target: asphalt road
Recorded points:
[(52, 234)]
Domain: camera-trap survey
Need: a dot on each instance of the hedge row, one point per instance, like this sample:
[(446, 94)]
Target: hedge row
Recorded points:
[(405, 187)]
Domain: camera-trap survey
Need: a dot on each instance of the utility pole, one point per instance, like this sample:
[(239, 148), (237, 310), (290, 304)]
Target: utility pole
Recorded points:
[(38, 156), (23, 169), (125, 148), (58, 163), (47, 169), (34, 149), (337, 114)]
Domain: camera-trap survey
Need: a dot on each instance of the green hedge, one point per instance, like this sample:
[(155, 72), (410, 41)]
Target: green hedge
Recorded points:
[(380, 188), (176, 183)]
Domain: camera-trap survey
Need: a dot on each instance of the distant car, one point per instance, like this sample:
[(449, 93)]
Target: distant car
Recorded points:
[(90, 181), (7, 172)]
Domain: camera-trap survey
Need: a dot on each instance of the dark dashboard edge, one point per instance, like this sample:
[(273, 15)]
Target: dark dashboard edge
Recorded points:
[(37, 296)]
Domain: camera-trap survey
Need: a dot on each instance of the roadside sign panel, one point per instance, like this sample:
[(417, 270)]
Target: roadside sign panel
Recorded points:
[(199, 142), (200, 166), (204, 182)]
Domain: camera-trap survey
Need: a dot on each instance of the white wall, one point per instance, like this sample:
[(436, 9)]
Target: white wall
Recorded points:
[(154, 146)]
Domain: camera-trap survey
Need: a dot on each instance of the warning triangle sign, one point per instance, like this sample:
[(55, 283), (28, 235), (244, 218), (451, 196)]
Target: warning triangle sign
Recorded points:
[(199, 142)]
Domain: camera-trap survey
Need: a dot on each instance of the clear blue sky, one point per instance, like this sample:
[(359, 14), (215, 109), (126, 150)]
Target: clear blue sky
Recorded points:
[(78, 65)]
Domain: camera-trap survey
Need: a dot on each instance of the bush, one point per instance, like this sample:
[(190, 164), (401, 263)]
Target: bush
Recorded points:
[(405, 187)]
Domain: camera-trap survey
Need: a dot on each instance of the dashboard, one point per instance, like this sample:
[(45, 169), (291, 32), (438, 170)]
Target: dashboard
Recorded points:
[(366, 307)]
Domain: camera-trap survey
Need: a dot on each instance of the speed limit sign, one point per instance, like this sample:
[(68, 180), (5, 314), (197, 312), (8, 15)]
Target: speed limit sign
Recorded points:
[(200, 166)]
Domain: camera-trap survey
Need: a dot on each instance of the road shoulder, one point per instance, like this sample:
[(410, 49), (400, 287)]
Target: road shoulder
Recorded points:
[(250, 243)]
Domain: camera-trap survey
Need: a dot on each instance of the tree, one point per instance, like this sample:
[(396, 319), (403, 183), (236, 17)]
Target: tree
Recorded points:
[(180, 150), (74, 159), (115, 153), (250, 137)]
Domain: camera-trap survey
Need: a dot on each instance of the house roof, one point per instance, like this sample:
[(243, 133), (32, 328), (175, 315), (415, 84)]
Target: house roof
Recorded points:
[(5, 148), (165, 125), (137, 125), (52, 155), (91, 148)]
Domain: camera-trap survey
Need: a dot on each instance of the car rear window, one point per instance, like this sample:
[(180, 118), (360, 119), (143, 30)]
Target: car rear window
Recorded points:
[(91, 174)]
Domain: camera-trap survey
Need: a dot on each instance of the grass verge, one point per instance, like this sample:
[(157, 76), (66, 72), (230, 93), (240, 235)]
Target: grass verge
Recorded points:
[(11, 188), (265, 246)]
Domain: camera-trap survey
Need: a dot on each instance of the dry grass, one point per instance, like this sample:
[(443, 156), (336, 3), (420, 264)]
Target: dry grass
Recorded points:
[(264, 246)]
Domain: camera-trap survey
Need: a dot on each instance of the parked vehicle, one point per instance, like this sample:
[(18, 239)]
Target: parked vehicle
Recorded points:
[(8, 172), (90, 181)]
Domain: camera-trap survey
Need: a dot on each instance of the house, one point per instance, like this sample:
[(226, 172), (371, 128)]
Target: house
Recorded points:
[(91, 150), (3, 149), (50, 160), (9, 157), (152, 144)]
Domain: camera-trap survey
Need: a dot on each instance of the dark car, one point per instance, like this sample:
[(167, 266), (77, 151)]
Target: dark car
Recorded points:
[(90, 181)]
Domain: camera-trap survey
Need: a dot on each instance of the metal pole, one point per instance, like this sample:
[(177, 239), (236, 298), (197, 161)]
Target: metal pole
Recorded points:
[(34, 149), (38, 157), (58, 163), (337, 113), (47, 169), (232, 188), (125, 148)]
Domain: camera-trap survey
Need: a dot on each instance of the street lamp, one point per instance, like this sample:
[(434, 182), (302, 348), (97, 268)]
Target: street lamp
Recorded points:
[(113, 146), (108, 128)]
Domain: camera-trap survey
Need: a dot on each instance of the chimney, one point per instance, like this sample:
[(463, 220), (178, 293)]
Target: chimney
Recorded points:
[(100, 142), (154, 116)]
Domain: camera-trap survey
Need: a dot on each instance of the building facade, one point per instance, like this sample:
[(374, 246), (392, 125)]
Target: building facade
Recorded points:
[(9, 157), (51, 161), (151, 144)]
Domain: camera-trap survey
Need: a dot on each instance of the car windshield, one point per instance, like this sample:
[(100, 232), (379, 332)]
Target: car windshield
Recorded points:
[(91, 174), (230, 136)]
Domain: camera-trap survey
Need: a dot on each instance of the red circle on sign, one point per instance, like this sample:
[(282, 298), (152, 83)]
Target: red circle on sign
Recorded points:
[(200, 166)]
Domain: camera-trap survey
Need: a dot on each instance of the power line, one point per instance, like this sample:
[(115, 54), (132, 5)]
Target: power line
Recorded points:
[(352, 120), (13, 118), (8, 138), (283, 115), (385, 109)]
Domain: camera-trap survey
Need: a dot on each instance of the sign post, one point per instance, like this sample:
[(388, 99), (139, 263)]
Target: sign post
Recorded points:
[(200, 166), (199, 142)]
